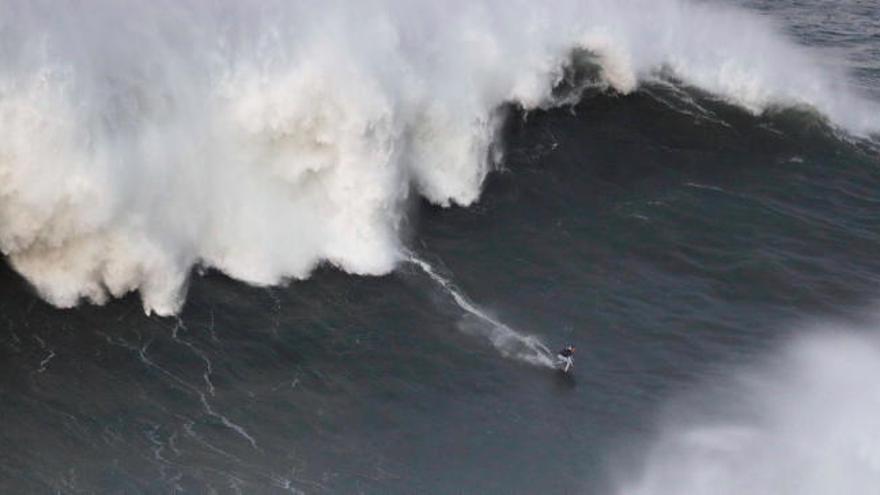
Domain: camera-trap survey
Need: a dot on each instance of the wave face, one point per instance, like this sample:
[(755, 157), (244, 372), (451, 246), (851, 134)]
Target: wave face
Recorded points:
[(140, 139), (805, 424)]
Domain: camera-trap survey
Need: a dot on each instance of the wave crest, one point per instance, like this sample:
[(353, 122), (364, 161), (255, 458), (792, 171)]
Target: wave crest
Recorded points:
[(141, 139)]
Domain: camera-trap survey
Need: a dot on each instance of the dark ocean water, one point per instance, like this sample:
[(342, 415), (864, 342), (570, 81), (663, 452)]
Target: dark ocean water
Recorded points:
[(672, 237)]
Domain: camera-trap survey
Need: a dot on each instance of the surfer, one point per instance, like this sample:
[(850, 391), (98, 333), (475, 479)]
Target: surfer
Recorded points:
[(565, 358)]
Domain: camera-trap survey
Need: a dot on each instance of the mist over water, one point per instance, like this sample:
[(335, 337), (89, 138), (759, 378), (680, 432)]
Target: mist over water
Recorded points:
[(804, 421), (141, 139)]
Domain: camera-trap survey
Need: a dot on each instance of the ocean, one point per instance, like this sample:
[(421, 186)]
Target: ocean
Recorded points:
[(333, 247)]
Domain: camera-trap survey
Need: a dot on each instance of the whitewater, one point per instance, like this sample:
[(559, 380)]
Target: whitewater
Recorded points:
[(142, 139), (509, 342), (802, 421)]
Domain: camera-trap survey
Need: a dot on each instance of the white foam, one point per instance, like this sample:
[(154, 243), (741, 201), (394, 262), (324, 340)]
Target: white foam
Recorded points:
[(140, 138), (806, 422), (509, 342)]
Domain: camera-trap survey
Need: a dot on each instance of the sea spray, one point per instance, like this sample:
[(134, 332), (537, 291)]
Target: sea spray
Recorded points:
[(140, 139), (806, 422), (509, 342)]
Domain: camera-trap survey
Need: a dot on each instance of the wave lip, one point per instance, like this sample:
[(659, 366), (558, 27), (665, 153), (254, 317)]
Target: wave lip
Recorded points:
[(140, 140)]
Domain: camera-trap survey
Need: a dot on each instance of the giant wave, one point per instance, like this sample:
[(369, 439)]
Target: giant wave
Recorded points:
[(140, 139)]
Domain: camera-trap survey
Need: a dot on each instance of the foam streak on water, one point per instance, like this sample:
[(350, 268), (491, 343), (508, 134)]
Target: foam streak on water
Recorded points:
[(509, 342)]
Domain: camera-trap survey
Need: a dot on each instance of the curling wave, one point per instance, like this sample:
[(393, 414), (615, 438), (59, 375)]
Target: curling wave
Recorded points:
[(139, 139)]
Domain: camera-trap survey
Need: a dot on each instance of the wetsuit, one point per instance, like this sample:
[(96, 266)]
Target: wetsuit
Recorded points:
[(565, 358)]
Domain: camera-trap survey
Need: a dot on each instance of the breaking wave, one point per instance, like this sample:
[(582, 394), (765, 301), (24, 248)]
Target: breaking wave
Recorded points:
[(140, 139)]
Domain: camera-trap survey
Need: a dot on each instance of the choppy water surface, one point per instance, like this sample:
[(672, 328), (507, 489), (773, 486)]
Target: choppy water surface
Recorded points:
[(710, 247)]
